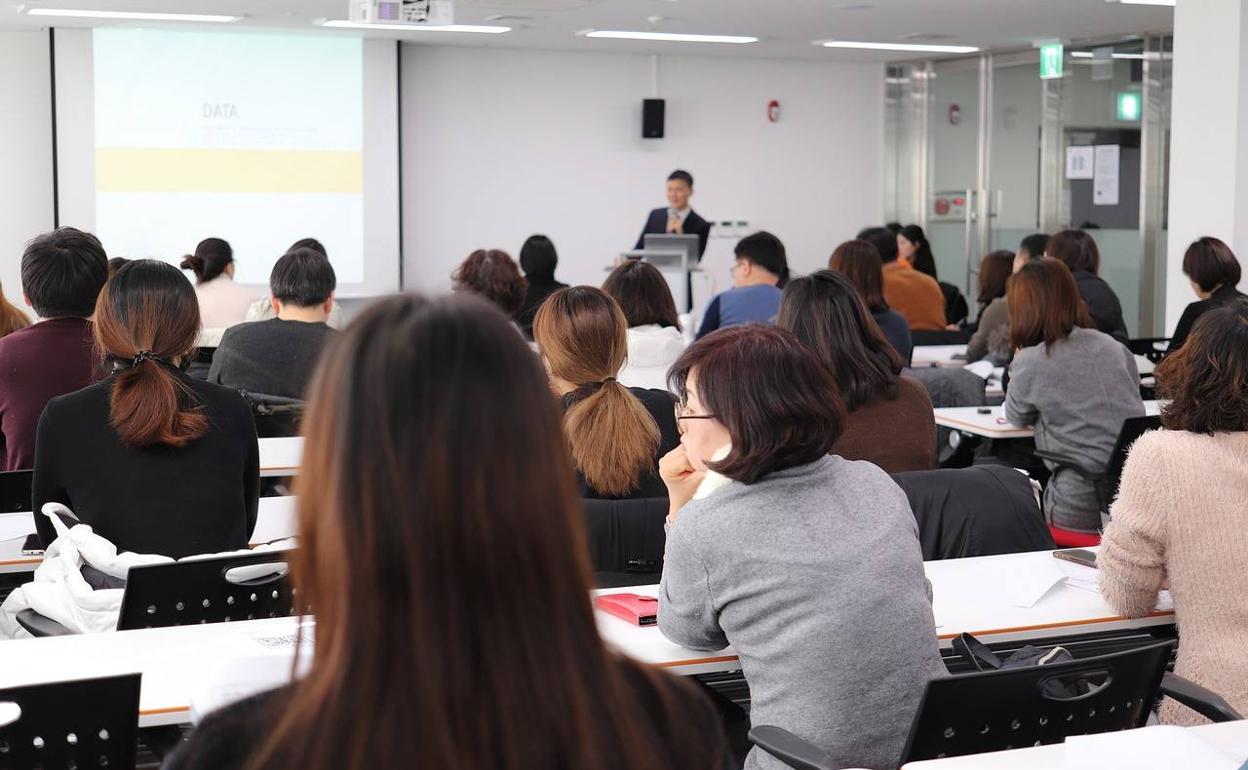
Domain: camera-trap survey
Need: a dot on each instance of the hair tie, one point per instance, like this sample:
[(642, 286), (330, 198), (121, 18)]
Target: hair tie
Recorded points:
[(604, 382), (146, 355)]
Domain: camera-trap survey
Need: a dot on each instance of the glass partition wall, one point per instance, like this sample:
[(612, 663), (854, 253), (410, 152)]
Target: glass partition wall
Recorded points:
[(979, 152)]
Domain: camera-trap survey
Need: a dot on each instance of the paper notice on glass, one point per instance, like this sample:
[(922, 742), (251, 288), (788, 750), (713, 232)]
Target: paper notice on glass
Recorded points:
[(1079, 162), (1105, 175)]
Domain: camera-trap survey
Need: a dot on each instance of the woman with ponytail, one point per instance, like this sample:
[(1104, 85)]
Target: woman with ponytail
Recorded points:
[(222, 303), (154, 460), (616, 433)]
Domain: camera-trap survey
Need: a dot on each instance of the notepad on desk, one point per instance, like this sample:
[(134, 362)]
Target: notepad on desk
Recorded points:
[(1160, 747)]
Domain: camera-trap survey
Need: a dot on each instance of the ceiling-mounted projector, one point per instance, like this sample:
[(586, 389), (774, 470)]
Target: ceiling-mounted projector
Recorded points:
[(414, 12)]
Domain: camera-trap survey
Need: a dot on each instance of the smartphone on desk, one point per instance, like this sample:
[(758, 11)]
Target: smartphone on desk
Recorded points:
[(32, 546), (1078, 556)]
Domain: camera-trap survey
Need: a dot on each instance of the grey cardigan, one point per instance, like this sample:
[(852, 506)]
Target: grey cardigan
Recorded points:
[(1077, 395), (815, 576)]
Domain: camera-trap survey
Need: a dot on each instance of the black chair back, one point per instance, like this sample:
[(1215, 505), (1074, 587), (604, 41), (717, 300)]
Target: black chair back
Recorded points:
[(1132, 429), (201, 363), (942, 337), (1014, 708), (626, 540), (216, 590), (79, 724), (15, 491), (275, 416)]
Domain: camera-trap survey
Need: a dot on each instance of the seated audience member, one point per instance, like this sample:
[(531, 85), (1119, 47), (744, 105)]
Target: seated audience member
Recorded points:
[(913, 247), (799, 557), (1213, 271), (890, 421), (277, 357), (222, 303), (538, 260), (1179, 520), (494, 275), (916, 296), (617, 434), (115, 264), (152, 459), (1032, 247), (991, 339), (654, 334), (262, 309), (11, 317), (1076, 385), (860, 262), (760, 271), (454, 576), (62, 274), (1077, 250)]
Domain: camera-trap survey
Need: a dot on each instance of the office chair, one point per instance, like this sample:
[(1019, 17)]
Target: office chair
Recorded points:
[(76, 724), (626, 540)]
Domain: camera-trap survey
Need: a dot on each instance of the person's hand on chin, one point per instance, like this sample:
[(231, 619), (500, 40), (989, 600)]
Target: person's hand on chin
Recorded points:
[(681, 478)]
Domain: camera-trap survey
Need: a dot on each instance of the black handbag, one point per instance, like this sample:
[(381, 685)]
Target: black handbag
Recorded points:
[(983, 659)]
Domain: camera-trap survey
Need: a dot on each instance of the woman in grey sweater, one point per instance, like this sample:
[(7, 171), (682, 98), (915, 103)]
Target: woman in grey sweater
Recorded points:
[(807, 564), (1075, 384)]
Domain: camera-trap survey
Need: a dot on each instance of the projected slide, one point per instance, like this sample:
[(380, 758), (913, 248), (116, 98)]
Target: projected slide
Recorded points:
[(255, 138)]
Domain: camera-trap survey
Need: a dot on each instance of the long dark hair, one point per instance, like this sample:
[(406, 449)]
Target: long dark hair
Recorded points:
[(860, 261), (825, 311), (994, 270), (147, 323), (423, 563), (210, 259), (924, 262), (582, 334)]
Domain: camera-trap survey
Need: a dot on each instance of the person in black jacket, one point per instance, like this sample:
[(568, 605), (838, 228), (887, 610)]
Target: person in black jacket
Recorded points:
[(1078, 250), (616, 434), (153, 460), (1214, 271), (538, 260), (677, 216)]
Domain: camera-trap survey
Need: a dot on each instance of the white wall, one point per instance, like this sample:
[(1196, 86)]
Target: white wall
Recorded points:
[(500, 144), (25, 149)]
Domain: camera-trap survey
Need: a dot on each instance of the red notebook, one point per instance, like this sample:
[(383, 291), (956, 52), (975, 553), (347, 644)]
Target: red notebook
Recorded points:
[(638, 610)]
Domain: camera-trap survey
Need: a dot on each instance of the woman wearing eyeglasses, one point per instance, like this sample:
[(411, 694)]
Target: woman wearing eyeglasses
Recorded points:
[(616, 433), (807, 564)]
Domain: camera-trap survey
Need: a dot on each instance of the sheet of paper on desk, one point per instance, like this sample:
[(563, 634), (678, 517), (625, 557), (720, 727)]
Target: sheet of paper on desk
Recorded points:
[(15, 525), (980, 369), (1026, 587), (1150, 748), (1089, 582)]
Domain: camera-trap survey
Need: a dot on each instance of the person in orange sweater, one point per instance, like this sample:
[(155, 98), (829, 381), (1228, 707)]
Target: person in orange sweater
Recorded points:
[(1178, 522), (915, 295)]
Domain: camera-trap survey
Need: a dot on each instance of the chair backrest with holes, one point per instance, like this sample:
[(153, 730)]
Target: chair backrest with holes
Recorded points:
[(1012, 708), (15, 491), (87, 723), (215, 590)]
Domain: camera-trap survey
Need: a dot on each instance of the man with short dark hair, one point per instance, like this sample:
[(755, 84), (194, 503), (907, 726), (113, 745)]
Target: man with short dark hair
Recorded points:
[(761, 270), (276, 357), (677, 216), (62, 274)]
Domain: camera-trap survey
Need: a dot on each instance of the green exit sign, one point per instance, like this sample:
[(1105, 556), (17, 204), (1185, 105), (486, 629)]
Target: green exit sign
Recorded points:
[(1129, 106), (1050, 61)]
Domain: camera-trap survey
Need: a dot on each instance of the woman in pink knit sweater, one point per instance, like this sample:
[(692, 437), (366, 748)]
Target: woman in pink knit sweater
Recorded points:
[(1180, 519)]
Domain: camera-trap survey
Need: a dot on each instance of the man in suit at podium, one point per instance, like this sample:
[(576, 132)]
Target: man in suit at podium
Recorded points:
[(677, 217)]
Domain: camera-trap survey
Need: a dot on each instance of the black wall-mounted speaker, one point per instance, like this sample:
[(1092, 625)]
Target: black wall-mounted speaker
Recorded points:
[(652, 114)]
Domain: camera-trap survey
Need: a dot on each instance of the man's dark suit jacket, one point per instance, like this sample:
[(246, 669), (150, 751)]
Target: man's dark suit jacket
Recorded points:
[(656, 224)]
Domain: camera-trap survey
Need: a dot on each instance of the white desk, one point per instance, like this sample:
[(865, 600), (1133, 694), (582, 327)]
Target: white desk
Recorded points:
[(971, 595), (280, 456), (1229, 737), (924, 356), (992, 424), (275, 519)]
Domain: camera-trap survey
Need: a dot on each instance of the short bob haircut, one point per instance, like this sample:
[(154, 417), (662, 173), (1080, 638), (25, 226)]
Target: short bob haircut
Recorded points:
[(860, 262), (493, 274), (1045, 305), (643, 294), (1210, 263), (994, 271), (1076, 249), (303, 277), (1206, 380), (778, 402)]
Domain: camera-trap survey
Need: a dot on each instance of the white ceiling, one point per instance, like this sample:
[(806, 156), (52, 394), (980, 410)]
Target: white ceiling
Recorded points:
[(786, 27)]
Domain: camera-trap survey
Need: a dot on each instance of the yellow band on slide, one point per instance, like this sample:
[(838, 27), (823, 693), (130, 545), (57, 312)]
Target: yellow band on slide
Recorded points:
[(127, 169)]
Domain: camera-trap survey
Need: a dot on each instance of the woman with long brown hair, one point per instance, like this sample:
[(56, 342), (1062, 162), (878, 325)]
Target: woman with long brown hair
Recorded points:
[(859, 261), (450, 580), (11, 317), (992, 332), (616, 433), (153, 459)]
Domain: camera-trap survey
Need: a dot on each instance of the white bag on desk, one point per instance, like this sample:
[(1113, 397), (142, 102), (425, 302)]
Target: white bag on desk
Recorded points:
[(60, 593)]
